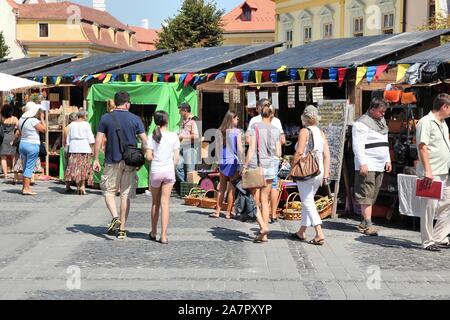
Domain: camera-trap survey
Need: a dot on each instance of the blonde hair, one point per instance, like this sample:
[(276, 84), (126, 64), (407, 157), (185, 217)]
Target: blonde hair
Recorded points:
[(310, 116), (110, 105), (267, 111)]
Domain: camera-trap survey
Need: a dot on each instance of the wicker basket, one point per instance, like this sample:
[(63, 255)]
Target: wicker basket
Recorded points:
[(324, 206), (291, 212), (208, 203), (193, 198)]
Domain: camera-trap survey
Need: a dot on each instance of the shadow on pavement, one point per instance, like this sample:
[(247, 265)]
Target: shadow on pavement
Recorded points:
[(389, 242), (229, 235), (95, 231), (13, 191)]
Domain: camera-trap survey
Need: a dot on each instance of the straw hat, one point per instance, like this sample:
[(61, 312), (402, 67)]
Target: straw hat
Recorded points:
[(31, 109)]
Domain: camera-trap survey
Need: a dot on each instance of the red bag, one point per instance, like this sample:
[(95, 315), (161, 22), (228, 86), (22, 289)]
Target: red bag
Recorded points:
[(393, 96)]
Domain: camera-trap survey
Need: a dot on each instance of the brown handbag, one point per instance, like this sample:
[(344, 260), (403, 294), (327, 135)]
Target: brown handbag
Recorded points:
[(408, 98), (254, 178), (306, 167), (394, 96)]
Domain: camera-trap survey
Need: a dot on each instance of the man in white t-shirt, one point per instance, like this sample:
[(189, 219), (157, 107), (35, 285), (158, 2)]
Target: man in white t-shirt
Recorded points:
[(276, 123)]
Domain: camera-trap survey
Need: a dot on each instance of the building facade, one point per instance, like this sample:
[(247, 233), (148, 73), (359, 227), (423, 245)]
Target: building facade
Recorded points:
[(252, 22), (8, 11), (303, 21), (56, 28)]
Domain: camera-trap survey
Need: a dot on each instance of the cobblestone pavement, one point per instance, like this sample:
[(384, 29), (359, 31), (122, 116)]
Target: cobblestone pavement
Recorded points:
[(44, 239)]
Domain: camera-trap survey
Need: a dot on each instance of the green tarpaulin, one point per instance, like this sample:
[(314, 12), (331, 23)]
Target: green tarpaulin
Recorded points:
[(165, 96)]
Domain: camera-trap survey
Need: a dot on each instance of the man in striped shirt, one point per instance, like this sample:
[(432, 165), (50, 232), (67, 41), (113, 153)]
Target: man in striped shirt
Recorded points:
[(372, 159)]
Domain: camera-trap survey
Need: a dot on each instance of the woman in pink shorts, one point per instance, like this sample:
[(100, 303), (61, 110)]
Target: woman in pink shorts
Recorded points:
[(163, 152)]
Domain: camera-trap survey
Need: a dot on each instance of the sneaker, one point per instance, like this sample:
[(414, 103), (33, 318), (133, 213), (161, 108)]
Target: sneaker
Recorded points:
[(371, 231), (122, 235), (113, 226)]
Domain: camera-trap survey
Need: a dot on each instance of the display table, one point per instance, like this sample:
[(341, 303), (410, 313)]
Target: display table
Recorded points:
[(409, 204)]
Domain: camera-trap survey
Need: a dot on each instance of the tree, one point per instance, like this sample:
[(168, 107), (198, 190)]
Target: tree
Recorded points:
[(4, 49), (439, 22), (198, 24)]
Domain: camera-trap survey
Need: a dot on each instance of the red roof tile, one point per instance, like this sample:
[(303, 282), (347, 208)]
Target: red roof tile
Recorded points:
[(146, 38), (262, 19)]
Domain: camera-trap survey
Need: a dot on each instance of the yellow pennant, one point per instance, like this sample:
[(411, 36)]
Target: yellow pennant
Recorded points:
[(361, 72), (401, 71), (58, 80), (258, 77), (107, 78), (126, 77), (83, 77), (302, 74), (138, 78), (155, 77), (44, 80), (177, 78), (229, 76), (281, 69)]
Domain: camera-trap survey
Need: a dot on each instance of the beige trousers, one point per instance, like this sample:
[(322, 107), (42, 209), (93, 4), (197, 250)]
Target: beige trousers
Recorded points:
[(439, 210)]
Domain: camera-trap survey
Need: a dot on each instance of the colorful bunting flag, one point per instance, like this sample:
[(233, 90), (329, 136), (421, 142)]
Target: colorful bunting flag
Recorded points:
[(246, 76), (258, 76), (360, 73), (281, 69), (166, 77), (89, 77), (107, 78), (302, 73), (228, 77), (138, 78), (133, 78), (318, 72), (160, 77), (96, 76), (332, 74), (196, 79), (183, 77), (101, 77), (188, 79), (238, 76), (114, 77), (310, 74), (44, 80), (221, 75), (126, 77), (211, 75), (83, 77), (274, 76), (341, 75), (148, 77), (380, 70), (402, 68), (266, 76), (293, 74), (371, 71)]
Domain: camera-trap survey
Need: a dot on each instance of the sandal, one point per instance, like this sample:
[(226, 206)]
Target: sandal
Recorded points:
[(213, 215), (163, 242), (151, 237), (315, 242), (433, 248), (296, 237), (260, 237)]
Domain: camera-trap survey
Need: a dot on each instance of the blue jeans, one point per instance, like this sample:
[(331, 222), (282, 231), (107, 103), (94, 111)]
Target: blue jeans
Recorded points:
[(188, 160), (29, 153)]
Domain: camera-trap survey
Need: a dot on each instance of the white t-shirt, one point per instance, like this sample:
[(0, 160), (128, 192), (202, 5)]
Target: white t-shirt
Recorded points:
[(80, 137), (28, 132), (258, 119), (163, 152)]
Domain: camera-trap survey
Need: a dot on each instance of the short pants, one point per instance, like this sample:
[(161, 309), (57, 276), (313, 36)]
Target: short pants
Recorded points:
[(160, 178)]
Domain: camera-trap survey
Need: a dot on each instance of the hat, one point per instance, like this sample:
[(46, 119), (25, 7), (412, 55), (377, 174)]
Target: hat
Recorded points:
[(31, 109)]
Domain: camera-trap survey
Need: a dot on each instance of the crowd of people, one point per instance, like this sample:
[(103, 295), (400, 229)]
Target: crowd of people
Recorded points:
[(174, 155)]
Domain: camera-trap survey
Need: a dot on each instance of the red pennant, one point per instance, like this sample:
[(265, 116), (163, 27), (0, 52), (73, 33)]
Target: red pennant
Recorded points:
[(148, 77), (188, 79), (211, 75), (380, 70), (238, 76), (341, 75), (102, 76), (266, 76), (319, 73), (166, 77)]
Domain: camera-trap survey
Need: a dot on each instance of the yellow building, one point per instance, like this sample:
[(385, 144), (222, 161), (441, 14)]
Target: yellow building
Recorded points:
[(252, 22), (50, 29), (302, 21)]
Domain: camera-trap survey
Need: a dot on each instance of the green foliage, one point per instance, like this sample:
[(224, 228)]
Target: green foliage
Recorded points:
[(198, 24), (439, 22), (4, 49)]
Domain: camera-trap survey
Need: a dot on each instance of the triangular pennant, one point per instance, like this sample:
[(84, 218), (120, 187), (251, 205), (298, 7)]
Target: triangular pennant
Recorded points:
[(228, 77), (138, 78), (148, 77), (211, 75), (360, 73), (246, 76), (302, 73), (53, 79), (266, 76), (310, 74), (293, 74), (126, 77), (96, 76), (177, 78), (402, 68), (83, 77), (318, 72), (196, 79), (281, 69), (89, 77), (258, 76), (221, 75), (58, 80), (166, 77), (341, 75), (380, 70), (183, 77), (160, 77), (113, 78), (332, 74), (102, 77), (107, 78), (188, 79), (274, 76), (371, 71), (133, 78), (155, 77), (44, 80), (238, 76)]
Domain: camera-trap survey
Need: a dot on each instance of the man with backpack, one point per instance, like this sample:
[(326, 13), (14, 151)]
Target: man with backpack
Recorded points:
[(116, 126)]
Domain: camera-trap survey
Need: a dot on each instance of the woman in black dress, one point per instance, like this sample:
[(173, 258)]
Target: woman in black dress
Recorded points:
[(8, 127)]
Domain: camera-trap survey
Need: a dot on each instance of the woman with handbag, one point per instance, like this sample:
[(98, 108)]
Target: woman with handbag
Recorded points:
[(231, 149), (30, 142), (8, 127), (261, 168), (312, 144)]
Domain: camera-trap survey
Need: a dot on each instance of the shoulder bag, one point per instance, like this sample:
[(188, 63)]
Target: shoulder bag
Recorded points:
[(16, 141), (132, 155), (254, 178), (306, 167)]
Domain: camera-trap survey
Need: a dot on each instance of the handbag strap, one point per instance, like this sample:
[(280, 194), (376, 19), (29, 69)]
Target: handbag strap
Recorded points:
[(311, 138), (258, 160), (23, 124), (443, 135), (119, 133)]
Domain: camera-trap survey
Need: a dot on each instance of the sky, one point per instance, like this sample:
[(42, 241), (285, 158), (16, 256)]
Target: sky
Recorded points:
[(156, 11)]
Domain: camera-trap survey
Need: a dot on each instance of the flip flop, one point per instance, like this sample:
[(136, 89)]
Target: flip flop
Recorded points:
[(212, 215), (163, 242), (29, 194), (151, 238), (315, 242), (294, 236)]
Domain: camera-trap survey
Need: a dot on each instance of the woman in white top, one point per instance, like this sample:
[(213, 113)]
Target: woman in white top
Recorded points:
[(29, 128), (309, 188), (80, 140), (163, 152)]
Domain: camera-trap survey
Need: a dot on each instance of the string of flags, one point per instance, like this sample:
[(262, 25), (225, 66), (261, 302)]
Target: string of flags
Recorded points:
[(274, 76)]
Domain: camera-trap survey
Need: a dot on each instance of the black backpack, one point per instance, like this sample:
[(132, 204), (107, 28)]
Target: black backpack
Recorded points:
[(430, 72)]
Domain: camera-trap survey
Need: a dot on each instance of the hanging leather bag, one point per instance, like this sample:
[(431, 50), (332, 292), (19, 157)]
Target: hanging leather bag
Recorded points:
[(409, 98), (307, 167), (254, 178), (393, 96)]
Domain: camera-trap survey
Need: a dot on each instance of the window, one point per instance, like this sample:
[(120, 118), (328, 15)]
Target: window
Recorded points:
[(43, 30), (99, 32), (432, 10), (247, 13), (388, 23), (115, 36), (289, 39), (307, 34), (358, 27), (328, 30)]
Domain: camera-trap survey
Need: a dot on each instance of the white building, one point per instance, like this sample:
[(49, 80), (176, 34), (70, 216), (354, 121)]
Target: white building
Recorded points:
[(8, 27)]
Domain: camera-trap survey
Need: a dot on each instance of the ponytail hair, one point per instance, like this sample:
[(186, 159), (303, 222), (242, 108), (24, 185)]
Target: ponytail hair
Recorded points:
[(161, 119), (267, 111)]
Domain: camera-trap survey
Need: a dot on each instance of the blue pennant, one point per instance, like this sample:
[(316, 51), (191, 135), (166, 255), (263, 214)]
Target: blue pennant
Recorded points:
[(89, 77), (274, 76), (332, 73), (221, 75), (293, 74), (196, 79), (310, 74), (133, 77), (113, 77), (246, 76), (182, 77), (371, 71), (161, 77)]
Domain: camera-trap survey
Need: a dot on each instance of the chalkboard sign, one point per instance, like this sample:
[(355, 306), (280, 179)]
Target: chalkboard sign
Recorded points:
[(333, 122)]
